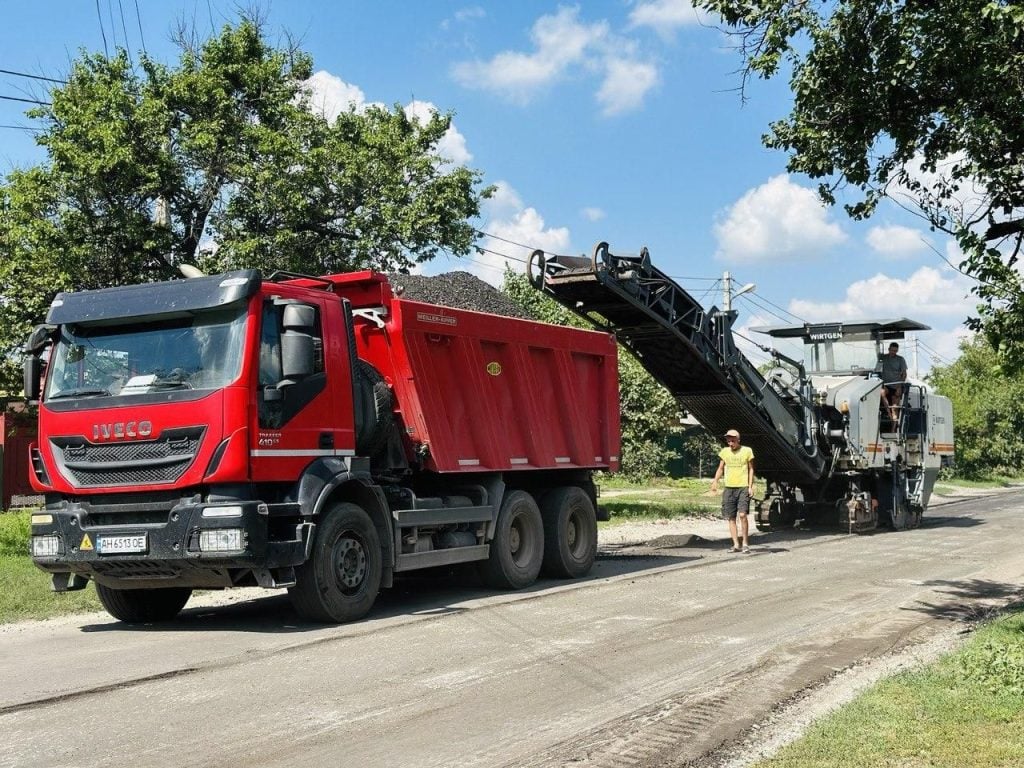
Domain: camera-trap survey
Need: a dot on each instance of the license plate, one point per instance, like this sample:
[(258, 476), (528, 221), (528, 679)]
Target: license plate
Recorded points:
[(117, 545)]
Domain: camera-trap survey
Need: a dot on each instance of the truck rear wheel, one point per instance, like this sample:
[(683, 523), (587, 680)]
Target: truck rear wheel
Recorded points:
[(137, 606), (340, 581), (570, 532), (517, 550)]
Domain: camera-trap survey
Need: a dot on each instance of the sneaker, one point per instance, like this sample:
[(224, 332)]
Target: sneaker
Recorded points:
[(746, 550)]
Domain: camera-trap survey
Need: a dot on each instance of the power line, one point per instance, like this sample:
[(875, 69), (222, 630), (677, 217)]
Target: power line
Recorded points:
[(513, 242), (502, 255), (750, 298), (781, 309), (103, 32), (113, 27), (124, 29), (709, 290), (33, 77), (758, 308), (142, 37), (20, 127), (27, 101)]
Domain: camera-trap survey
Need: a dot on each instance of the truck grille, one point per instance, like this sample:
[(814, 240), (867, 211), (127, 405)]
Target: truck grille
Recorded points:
[(135, 569), (135, 462)]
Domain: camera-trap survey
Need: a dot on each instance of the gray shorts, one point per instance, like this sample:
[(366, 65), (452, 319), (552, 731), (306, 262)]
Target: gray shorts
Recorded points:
[(735, 501)]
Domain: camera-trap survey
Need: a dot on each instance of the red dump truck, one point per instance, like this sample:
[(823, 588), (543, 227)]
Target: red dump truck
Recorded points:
[(315, 434)]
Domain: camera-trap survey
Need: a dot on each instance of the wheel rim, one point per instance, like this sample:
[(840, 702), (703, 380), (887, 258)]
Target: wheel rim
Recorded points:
[(573, 540), (520, 541), (349, 562)]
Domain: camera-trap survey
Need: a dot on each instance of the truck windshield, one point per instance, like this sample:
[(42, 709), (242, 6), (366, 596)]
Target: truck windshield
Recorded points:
[(203, 351), (841, 356)]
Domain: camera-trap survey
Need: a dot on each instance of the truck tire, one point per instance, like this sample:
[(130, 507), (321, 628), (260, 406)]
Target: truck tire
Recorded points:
[(570, 532), (517, 549), (374, 416), (138, 606), (341, 579)]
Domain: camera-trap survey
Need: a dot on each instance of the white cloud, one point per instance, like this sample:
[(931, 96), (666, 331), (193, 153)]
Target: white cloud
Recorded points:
[(592, 214), (928, 293), (897, 242), (329, 95), (514, 232), (563, 46), (452, 146), (559, 40), (626, 82), (777, 221), (665, 16), (470, 13)]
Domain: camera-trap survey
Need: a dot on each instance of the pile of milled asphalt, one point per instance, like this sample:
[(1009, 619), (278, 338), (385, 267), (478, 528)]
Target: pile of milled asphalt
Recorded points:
[(460, 290)]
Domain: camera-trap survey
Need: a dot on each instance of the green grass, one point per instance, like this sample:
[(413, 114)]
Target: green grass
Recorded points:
[(661, 499), (1001, 481), (25, 593), (964, 711), (24, 589)]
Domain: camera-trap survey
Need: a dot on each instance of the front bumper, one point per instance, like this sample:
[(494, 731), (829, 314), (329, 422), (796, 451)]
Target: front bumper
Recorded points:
[(175, 549)]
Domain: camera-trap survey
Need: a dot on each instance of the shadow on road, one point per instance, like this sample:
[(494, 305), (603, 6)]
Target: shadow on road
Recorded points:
[(969, 599), (432, 592), (950, 522)]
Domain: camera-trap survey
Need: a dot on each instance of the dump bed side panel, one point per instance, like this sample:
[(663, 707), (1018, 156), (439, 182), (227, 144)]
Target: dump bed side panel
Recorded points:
[(481, 392)]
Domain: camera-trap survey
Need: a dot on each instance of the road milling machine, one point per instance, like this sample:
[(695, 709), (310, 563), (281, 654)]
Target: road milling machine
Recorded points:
[(830, 451)]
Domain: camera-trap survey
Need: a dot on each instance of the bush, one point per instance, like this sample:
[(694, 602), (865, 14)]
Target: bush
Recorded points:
[(997, 665), (14, 533)]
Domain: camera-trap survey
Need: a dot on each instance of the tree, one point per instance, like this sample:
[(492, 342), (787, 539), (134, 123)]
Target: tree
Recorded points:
[(647, 410), (915, 101), (219, 161), (988, 409)]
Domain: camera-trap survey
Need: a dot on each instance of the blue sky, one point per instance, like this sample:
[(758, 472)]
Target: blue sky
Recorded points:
[(619, 121)]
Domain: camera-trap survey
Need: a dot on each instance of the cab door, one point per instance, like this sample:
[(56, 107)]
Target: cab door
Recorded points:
[(295, 407)]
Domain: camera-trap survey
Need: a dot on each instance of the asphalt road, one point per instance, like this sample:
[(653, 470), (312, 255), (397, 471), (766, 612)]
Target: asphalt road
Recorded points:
[(664, 655)]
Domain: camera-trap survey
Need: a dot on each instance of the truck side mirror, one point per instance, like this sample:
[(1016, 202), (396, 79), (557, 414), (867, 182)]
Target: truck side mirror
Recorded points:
[(41, 336), (298, 355), (33, 377), (299, 317)]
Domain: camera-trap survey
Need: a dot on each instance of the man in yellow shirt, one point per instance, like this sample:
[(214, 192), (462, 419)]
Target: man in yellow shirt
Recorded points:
[(737, 462)]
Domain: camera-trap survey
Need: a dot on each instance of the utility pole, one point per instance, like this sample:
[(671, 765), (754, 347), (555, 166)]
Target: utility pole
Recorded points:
[(727, 292), (916, 342)]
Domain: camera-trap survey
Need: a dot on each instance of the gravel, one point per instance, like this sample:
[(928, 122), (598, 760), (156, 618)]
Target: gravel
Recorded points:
[(460, 290)]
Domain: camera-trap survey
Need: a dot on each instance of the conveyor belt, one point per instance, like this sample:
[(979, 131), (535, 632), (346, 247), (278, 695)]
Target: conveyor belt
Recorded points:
[(688, 350)]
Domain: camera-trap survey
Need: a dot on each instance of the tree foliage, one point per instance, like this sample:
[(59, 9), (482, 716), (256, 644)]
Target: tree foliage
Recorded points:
[(988, 408), (647, 410), (916, 101), (218, 160)]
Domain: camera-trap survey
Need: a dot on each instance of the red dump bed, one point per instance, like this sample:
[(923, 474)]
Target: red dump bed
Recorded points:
[(484, 392)]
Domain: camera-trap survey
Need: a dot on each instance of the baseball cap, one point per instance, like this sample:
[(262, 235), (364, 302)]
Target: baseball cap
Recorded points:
[(732, 433)]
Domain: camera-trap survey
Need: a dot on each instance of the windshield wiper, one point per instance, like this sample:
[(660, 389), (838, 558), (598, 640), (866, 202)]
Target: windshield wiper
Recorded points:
[(81, 392), (169, 382)]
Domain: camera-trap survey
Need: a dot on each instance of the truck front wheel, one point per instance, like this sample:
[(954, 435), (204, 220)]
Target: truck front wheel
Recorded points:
[(138, 606), (340, 581), (570, 532), (517, 549)]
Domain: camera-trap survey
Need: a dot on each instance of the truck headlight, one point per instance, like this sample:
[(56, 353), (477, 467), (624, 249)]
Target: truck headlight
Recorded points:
[(221, 540), (45, 546)]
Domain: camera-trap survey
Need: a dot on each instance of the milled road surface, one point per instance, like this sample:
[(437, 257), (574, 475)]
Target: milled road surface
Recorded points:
[(665, 654)]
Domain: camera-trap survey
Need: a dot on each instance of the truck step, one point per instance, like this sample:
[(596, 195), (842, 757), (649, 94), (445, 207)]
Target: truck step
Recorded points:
[(411, 562)]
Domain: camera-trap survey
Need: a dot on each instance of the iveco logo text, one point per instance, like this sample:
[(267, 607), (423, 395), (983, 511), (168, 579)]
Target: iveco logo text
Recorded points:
[(122, 429), (826, 336)]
